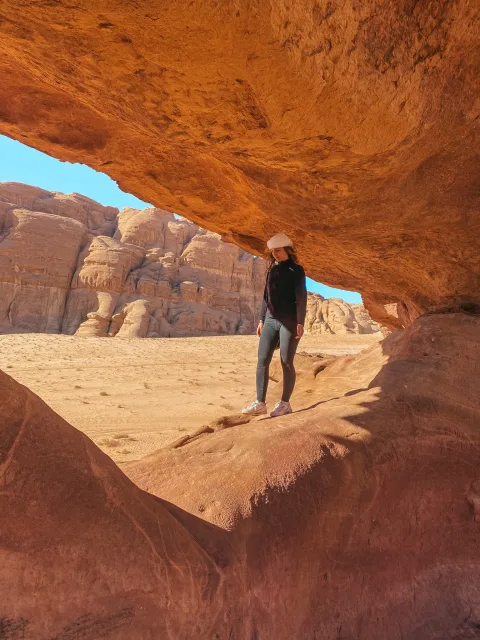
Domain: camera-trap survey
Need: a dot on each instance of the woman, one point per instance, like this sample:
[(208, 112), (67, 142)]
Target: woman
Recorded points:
[(281, 322)]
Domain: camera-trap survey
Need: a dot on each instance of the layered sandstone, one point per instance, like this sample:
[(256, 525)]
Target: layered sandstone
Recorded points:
[(70, 265), (353, 127), (334, 315), (356, 518)]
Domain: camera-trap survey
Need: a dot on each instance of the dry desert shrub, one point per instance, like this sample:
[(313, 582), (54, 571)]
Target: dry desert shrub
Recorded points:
[(125, 437), (109, 442), (116, 441)]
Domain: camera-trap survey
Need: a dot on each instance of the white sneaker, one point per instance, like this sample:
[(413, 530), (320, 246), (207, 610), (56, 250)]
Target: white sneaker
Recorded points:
[(255, 408), (281, 409)]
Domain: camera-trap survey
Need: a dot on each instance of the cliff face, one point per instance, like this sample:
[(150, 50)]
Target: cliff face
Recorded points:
[(334, 315), (70, 265)]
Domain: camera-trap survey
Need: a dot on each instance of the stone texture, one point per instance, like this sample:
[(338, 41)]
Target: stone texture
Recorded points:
[(334, 315), (69, 265), (35, 282), (355, 518), (351, 126)]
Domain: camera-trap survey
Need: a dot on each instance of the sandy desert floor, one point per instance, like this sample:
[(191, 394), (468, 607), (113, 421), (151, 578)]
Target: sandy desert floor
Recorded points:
[(134, 396)]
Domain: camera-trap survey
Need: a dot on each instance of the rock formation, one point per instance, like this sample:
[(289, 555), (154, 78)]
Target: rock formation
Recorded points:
[(356, 518), (351, 126), (334, 315), (70, 265)]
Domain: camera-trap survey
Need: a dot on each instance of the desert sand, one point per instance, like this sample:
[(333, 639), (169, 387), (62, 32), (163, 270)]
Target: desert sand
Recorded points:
[(133, 396)]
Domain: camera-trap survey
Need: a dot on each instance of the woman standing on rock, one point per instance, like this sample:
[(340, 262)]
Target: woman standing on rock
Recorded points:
[(282, 317)]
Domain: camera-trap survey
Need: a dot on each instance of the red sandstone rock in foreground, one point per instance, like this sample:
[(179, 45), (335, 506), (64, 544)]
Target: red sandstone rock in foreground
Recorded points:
[(356, 518)]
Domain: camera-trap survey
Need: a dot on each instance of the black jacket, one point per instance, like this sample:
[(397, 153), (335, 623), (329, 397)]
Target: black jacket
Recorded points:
[(285, 294)]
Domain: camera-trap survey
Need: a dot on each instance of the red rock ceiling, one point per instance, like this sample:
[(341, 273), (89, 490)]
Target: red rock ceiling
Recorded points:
[(352, 126)]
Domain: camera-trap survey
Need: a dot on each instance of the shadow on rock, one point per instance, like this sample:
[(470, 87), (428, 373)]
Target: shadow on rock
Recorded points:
[(356, 519)]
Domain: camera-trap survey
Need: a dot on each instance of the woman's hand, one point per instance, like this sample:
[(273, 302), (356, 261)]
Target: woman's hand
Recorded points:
[(300, 331), (259, 328)]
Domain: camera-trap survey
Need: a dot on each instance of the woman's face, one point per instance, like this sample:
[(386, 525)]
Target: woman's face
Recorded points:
[(280, 254)]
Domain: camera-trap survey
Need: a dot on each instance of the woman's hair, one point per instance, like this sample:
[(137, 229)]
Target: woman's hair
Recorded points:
[(291, 253)]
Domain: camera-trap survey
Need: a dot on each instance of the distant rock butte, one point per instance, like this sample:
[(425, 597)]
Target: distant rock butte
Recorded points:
[(334, 315), (70, 265)]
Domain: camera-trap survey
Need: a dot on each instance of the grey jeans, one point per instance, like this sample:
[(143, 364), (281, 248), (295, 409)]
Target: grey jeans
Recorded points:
[(274, 331)]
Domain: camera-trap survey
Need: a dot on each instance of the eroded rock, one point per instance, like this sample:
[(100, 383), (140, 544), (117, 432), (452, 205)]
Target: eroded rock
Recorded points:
[(353, 127), (152, 276), (354, 517), (334, 315)]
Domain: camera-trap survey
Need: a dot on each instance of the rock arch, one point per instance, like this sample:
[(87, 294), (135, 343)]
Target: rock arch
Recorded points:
[(353, 127)]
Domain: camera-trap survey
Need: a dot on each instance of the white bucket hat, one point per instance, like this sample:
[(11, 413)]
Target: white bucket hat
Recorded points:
[(278, 241)]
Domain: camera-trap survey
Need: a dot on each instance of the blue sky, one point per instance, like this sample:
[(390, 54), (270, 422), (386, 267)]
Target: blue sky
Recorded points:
[(19, 163)]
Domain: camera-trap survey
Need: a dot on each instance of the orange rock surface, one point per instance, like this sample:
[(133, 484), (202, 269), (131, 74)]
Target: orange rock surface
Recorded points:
[(352, 127), (357, 517)]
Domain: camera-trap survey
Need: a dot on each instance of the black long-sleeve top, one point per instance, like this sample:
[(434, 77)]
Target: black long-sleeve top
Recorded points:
[(285, 295)]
